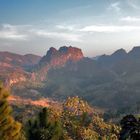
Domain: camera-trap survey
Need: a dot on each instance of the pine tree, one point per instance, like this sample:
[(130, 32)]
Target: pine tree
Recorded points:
[(42, 128), (9, 128)]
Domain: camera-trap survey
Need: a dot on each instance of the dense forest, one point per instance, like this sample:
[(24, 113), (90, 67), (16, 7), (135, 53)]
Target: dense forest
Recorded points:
[(76, 120)]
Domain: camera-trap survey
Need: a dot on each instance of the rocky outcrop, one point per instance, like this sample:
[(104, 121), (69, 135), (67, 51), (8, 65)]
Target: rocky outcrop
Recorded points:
[(60, 57), (57, 58)]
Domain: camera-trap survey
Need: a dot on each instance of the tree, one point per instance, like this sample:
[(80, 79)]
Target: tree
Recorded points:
[(130, 128), (82, 123), (9, 128), (44, 127), (77, 121)]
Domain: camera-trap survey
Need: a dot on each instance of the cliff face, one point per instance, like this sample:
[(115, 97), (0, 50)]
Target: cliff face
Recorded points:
[(57, 58), (60, 57)]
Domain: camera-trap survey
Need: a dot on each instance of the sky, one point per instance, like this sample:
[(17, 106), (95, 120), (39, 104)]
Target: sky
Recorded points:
[(96, 26)]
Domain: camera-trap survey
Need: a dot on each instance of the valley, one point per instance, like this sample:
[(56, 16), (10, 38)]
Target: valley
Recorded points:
[(66, 72)]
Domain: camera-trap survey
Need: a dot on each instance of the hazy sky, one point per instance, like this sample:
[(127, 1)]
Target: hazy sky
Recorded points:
[(95, 26)]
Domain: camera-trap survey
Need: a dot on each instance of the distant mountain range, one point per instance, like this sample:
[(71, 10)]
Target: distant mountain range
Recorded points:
[(110, 81)]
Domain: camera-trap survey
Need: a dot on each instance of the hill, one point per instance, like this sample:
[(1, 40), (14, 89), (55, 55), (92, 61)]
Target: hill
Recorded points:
[(13, 67)]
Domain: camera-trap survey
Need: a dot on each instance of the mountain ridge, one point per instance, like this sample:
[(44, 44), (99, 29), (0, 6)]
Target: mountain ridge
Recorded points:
[(62, 73)]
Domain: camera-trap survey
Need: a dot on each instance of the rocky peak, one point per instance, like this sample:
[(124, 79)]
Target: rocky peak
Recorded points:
[(58, 58), (51, 51), (72, 53), (65, 49), (61, 56)]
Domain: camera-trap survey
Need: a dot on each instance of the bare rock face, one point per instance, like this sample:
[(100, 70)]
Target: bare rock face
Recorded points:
[(60, 57), (57, 58)]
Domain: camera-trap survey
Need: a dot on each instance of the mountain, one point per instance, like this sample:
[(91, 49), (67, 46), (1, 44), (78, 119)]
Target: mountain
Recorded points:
[(60, 57), (57, 58), (135, 52), (76, 79), (13, 67), (110, 60), (111, 81), (122, 63), (16, 68), (12, 59)]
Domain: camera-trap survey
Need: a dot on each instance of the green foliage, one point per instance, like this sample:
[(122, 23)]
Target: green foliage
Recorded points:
[(45, 127), (77, 121), (9, 128)]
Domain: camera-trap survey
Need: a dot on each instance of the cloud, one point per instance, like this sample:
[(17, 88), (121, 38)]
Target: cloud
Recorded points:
[(115, 6), (110, 29), (58, 35), (26, 32), (103, 28), (11, 32), (71, 33), (130, 19), (65, 27)]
